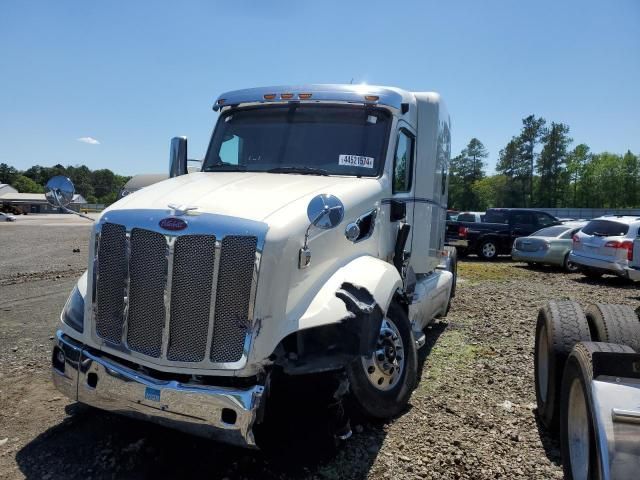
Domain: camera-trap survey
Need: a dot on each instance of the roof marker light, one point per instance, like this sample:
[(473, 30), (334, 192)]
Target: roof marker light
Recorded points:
[(371, 98), (221, 101), (286, 96), (304, 96), (269, 96)]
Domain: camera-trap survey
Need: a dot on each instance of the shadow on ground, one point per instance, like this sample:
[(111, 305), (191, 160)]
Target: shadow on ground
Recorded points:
[(549, 442), (91, 443)]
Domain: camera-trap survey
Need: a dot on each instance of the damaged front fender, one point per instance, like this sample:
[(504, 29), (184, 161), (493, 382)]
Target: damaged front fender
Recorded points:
[(344, 319)]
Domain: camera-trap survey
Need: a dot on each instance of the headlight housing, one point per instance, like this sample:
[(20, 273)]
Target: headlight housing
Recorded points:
[(73, 311)]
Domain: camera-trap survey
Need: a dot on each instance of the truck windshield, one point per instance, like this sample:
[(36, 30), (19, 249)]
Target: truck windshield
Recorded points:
[(304, 139)]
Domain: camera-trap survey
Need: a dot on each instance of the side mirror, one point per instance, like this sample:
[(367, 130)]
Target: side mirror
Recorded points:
[(398, 210), (178, 156), (59, 191)]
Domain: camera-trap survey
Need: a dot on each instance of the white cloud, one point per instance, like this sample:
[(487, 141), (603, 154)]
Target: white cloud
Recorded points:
[(89, 140)]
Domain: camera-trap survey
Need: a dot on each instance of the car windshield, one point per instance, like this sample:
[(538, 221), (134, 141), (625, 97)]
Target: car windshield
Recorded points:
[(551, 231), (606, 228), (305, 139)]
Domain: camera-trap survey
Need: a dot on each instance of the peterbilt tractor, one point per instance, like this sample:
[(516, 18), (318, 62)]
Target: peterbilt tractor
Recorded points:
[(309, 243)]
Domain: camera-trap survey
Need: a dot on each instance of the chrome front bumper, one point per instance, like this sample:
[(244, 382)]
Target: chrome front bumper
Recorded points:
[(221, 413)]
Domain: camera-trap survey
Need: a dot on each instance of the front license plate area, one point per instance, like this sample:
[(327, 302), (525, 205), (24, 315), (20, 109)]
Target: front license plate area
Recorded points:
[(152, 394)]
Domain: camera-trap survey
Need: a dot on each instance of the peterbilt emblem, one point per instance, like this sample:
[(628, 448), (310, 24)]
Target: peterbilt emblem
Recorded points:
[(172, 223)]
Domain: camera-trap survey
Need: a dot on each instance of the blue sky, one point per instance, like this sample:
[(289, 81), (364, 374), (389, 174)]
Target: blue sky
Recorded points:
[(133, 74)]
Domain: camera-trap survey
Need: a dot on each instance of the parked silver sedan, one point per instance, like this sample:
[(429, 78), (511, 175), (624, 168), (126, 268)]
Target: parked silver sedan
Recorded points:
[(549, 246)]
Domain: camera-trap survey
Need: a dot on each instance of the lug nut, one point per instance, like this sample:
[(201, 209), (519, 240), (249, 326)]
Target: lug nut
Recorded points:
[(371, 369), (381, 356)]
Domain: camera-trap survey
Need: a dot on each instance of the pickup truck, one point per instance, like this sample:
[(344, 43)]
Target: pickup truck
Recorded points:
[(496, 234), (310, 246)]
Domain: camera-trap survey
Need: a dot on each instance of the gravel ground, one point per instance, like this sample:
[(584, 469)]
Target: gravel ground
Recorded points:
[(472, 415)]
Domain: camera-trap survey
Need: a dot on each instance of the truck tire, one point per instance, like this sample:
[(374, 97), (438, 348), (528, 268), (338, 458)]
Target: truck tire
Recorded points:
[(488, 250), (560, 325), (376, 387), (578, 429), (614, 324)]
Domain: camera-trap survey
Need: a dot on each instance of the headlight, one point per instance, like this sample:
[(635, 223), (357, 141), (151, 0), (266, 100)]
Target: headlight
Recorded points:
[(73, 312)]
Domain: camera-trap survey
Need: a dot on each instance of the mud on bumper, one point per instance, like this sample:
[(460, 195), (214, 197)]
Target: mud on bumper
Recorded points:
[(221, 413)]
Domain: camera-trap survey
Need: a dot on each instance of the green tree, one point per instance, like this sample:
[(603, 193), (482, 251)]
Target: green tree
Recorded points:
[(491, 191), (7, 173), (551, 165), (532, 130), (509, 167), (26, 185), (466, 169), (576, 162), (630, 174)]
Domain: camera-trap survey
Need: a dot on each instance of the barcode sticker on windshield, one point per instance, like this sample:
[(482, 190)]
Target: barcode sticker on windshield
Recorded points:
[(355, 161)]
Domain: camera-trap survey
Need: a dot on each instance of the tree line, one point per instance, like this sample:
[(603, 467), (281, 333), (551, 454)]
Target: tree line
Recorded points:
[(96, 186), (539, 168)]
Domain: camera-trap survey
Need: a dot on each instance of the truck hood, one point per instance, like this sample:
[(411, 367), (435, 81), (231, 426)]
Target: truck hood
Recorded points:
[(251, 195)]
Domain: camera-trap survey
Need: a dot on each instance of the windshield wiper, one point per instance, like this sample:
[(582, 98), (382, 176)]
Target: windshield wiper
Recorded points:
[(227, 167), (301, 170)]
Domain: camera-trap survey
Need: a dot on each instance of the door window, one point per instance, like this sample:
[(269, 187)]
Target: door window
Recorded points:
[(403, 162)]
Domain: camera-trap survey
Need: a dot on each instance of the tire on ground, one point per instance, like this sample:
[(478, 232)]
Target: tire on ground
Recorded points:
[(390, 403), (560, 325), (487, 252), (614, 324), (576, 410)]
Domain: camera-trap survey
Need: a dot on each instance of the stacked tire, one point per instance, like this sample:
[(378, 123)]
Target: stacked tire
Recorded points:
[(567, 337)]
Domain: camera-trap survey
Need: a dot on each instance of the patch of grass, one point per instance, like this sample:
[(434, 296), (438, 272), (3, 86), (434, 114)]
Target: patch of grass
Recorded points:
[(451, 353), (491, 271)]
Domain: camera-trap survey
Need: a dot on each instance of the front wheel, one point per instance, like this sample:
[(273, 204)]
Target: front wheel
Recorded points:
[(381, 383), (488, 250)]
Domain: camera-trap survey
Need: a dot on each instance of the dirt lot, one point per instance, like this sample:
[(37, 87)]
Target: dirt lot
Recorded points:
[(472, 416)]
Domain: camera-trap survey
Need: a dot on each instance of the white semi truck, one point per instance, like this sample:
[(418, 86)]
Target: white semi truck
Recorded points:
[(310, 243)]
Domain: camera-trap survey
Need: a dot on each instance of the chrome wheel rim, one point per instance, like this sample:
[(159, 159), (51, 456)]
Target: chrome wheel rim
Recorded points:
[(488, 249), (385, 366), (578, 432), (543, 363), (572, 267)]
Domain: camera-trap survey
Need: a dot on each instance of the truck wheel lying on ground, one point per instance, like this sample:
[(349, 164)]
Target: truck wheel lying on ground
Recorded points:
[(599, 392), (580, 431), (614, 324), (311, 244), (560, 325)]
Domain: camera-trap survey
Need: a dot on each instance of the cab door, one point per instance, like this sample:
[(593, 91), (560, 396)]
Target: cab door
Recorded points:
[(403, 173)]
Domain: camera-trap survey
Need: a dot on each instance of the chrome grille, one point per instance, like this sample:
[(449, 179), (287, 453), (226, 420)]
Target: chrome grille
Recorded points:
[(176, 298), (110, 290), (147, 277), (193, 262), (235, 278)]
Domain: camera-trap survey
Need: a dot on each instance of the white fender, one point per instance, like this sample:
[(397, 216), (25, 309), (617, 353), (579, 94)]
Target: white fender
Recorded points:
[(379, 278)]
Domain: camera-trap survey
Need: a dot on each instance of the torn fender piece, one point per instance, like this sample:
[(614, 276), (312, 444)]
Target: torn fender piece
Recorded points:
[(365, 319), (333, 346)]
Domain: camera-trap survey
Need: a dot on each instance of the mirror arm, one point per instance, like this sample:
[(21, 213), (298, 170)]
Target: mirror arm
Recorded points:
[(68, 210)]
